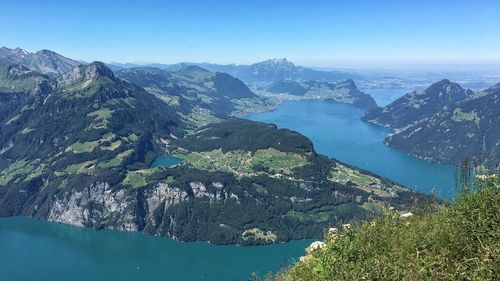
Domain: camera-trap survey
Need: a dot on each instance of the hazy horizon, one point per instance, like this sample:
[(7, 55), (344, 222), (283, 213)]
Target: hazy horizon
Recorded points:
[(320, 34)]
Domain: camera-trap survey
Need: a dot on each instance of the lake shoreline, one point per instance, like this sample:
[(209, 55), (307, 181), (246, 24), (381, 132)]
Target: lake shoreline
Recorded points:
[(42, 250), (283, 119)]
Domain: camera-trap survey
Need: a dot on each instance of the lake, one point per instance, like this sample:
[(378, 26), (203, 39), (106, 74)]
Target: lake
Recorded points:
[(384, 96), (336, 130), (166, 161), (36, 250)]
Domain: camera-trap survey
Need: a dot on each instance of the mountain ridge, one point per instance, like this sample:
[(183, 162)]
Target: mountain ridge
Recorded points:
[(43, 61), (267, 71), (80, 152), (445, 123), (418, 105)]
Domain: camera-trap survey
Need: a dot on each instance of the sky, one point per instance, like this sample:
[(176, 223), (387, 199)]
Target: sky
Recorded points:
[(312, 33)]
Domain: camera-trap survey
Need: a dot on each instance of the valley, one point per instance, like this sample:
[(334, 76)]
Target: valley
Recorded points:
[(80, 149), (195, 155), (190, 140), (337, 131)]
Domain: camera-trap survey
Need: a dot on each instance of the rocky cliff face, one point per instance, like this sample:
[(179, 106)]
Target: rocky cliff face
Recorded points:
[(101, 206), (84, 73), (93, 205)]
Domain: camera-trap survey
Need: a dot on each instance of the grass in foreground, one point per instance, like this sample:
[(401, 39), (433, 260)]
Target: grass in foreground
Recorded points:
[(458, 242)]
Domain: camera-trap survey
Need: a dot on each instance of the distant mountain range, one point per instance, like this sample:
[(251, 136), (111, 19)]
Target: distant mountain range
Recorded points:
[(79, 148), (44, 61), (269, 77), (268, 71), (204, 95), (445, 123)]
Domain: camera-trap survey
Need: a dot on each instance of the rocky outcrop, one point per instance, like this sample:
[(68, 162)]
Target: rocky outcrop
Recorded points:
[(84, 73), (96, 206), (163, 194)]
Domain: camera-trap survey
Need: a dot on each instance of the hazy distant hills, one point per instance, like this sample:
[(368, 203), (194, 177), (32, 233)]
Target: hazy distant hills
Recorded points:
[(281, 69), (44, 61), (268, 71), (343, 92), (79, 148), (445, 123), (203, 94)]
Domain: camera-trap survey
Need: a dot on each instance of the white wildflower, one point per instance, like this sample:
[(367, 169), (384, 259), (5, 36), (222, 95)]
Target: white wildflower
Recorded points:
[(406, 215), (332, 230), (315, 246)]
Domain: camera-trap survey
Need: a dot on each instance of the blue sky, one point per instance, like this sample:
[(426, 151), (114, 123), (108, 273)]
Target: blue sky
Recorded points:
[(314, 33)]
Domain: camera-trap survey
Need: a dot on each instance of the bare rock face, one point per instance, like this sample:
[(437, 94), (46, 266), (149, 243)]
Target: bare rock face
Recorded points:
[(85, 73), (101, 206), (51, 62), (199, 190), (163, 193), (94, 206)]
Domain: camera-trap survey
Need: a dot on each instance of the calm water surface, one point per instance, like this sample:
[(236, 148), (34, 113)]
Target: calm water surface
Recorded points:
[(337, 131), (166, 161), (384, 96), (35, 250)]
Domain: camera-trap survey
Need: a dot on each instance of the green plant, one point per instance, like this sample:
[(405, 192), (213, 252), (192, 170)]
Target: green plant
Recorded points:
[(457, 242)]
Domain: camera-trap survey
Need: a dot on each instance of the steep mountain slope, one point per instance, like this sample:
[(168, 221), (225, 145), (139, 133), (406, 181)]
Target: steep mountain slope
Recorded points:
[(469, 130), (79, 148), (44, 61), (200, 93), (77, 137), (18, 78), (343, 92), (16, 82), (416, 106), (444, 123)]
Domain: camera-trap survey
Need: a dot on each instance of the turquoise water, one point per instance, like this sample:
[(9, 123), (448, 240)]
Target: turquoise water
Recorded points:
[(35, 250), (384, 96), (166, 161), (337, 131)]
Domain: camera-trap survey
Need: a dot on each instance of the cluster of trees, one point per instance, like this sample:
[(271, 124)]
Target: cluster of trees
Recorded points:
[(245, 135)]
